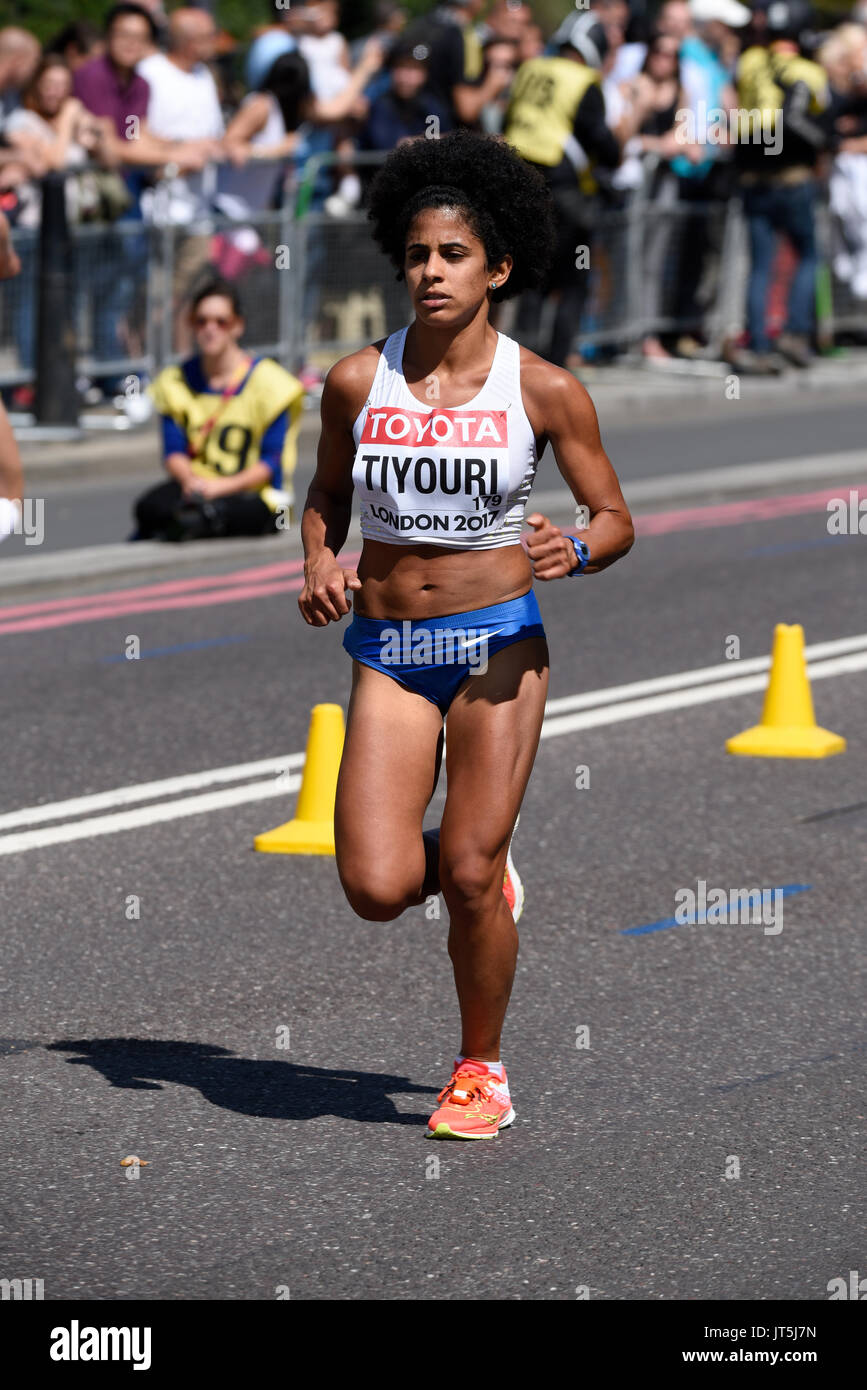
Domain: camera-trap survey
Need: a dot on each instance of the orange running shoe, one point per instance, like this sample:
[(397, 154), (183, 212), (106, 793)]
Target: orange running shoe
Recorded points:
[(513, 888), (475, 1104)]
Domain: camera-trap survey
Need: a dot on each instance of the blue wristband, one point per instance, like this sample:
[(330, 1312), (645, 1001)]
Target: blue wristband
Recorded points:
[(582, 552)]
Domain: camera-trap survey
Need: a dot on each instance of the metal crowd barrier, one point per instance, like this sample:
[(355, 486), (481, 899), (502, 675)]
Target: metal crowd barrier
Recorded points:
[(314, 286)]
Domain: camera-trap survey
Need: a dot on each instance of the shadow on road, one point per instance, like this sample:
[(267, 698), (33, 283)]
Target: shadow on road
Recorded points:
[(273, 1090)]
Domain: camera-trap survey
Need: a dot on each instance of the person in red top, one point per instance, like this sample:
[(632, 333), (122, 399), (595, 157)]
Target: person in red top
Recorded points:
[(11, 476), (111, 89)]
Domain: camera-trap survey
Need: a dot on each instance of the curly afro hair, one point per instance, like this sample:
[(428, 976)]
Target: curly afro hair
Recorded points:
[(505, 201)]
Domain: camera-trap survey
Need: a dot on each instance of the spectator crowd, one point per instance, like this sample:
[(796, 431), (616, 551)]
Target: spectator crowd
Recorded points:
[(164, 119)]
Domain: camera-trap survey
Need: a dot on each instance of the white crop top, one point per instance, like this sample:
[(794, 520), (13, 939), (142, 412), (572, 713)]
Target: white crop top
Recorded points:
[(456, 476)]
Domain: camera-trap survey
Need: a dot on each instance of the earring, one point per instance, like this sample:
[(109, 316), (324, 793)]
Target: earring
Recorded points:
[(493, 285)]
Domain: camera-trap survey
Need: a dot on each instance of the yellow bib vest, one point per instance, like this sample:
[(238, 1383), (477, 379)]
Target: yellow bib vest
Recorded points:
[(545, 97), (761, 96), (474, 59), (234, 442)]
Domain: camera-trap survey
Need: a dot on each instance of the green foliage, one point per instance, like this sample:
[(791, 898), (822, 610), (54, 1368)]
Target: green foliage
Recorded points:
[(548, 13), (240, 17), (45, 18)]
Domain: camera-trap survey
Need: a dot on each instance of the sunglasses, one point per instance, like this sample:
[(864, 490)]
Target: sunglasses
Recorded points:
[(201, 320)]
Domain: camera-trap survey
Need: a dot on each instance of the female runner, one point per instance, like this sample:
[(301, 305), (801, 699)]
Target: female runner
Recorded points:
[(439, 427)]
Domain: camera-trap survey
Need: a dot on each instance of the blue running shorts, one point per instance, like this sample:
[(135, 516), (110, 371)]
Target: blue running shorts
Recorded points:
[(434, 656)]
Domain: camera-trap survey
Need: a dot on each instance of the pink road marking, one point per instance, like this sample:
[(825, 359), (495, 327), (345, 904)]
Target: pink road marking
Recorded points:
[(172, 586), (730, 513), (84, 607), (230, 588), (116, 610)]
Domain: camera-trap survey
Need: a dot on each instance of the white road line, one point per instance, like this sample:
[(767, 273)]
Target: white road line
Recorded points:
[(727, 670), (732, 478), (148, 815), (568, 715), (770, 471), (147, 791), (680, 699)]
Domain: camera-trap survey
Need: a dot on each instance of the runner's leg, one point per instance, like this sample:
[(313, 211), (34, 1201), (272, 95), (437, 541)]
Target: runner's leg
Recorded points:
[(494, 724), (388, 774)]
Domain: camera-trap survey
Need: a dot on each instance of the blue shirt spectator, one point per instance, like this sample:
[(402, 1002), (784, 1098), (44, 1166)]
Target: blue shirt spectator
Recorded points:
[(406, 108)]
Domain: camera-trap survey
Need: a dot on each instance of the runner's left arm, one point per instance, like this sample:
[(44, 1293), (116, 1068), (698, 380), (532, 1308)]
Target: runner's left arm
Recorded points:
[(555, 397)]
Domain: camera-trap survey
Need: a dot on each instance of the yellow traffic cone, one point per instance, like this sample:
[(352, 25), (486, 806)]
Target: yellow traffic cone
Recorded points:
[(788, 727), (312, 830)]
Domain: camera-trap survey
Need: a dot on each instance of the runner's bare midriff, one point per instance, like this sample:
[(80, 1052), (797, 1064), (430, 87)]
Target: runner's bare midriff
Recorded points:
[(431, 581)]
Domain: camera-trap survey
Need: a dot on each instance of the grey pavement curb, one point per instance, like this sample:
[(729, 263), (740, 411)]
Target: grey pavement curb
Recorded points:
[(644, 496), (110, 453)]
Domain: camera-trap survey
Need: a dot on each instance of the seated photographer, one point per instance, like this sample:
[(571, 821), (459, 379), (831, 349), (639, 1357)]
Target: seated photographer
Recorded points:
[(230, 434)]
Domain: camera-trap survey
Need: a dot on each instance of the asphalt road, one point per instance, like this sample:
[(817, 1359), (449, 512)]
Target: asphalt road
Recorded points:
[(308, 1167), (690, 436)]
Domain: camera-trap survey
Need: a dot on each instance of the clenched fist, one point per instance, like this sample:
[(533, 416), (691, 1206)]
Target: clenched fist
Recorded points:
[(323, 598), (551, 553)]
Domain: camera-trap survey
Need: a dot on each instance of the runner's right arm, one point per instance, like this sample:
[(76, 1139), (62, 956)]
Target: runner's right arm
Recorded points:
[(328, 508)]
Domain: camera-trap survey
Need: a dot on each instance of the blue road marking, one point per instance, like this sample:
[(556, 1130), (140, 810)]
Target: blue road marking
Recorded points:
[(182, 647), (784, 547), (665, 922)]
